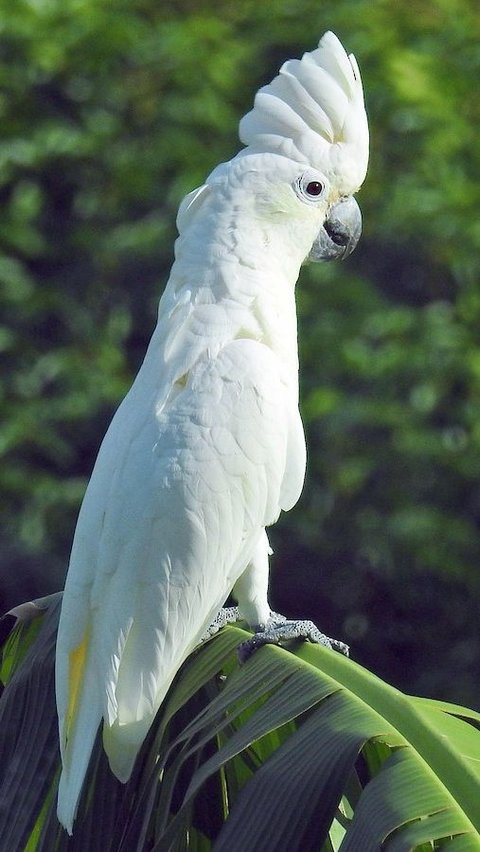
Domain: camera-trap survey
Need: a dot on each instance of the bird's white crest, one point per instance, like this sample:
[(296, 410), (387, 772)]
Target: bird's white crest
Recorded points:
[(313, 112)]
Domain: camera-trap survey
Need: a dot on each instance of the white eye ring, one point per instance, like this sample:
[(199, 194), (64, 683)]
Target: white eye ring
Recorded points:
[(311, 186)]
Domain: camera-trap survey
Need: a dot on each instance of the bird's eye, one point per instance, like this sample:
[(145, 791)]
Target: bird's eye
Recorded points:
[(311, 186), (314, 188)]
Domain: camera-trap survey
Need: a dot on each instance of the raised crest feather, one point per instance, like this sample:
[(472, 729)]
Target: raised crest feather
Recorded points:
[(314, 111)]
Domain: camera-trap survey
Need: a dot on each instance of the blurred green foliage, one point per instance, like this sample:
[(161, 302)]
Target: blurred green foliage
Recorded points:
[(109, 113)]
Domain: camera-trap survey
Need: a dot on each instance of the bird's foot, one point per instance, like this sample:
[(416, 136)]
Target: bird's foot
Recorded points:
[(227, 615), (279, 630)]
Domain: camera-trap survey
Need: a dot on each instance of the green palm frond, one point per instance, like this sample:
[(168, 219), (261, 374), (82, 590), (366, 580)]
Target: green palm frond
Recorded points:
[(301, 750)]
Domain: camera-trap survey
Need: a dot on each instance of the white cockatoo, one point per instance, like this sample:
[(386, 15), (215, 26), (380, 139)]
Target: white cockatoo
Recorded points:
[(208, 446)]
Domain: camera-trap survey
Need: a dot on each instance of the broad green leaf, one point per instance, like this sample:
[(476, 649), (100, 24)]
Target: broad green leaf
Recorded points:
[(28, 728), (400, 794), (298, 749), (451, 766)]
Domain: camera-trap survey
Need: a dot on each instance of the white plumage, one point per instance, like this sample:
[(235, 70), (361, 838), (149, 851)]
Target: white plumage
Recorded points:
[(207, 448)]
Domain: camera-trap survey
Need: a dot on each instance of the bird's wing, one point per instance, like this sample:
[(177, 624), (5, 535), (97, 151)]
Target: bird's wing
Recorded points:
[(167, 526)]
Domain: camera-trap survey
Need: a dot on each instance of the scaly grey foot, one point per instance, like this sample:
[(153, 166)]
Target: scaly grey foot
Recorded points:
[(279, 630), (227, 615)]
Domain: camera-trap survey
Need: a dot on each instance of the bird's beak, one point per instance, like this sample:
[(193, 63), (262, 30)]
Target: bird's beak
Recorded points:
[(340, 232)]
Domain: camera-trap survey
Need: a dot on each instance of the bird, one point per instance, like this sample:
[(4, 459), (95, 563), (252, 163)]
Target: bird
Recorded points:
[(208, 446)]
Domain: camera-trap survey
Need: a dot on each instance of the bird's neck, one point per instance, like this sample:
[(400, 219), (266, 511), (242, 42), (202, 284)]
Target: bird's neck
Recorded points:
[(252, 281)]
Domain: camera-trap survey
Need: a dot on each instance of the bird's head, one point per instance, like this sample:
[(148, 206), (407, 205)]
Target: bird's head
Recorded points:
[(312, 117), (306, 156), (300, 204)]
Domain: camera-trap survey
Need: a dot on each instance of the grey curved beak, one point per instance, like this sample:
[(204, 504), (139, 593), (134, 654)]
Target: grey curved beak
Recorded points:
[(340, 232)]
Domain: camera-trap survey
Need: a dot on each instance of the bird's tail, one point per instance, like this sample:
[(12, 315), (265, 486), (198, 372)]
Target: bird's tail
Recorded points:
[(78, 726)]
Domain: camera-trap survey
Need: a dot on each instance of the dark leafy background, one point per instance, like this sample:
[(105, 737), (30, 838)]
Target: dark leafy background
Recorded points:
[(109, 113)]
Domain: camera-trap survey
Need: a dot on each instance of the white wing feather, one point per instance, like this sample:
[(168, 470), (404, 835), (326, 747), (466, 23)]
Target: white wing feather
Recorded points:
[(182, 497)]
